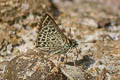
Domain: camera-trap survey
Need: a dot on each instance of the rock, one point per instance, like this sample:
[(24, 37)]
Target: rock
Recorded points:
[(32, 66)]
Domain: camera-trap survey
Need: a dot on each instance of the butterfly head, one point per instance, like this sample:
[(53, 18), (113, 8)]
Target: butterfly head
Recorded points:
[(74, 43)]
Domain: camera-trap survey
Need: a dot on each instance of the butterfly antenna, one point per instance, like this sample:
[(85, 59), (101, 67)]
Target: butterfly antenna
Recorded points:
[(94, 41)]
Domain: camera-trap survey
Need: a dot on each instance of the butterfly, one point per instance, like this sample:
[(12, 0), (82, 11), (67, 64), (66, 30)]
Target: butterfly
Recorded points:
[(51, 39)]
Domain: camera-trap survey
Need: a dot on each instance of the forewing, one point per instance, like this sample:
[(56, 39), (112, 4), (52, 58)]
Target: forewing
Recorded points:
[(50, 38)]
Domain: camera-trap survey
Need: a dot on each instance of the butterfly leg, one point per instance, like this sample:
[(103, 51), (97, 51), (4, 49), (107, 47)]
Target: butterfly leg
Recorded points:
[(77, 55), (59, 58), (60, 61), (66, 58)]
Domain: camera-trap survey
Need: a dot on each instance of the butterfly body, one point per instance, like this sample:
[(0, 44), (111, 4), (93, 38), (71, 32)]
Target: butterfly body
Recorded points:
[(51, 39)]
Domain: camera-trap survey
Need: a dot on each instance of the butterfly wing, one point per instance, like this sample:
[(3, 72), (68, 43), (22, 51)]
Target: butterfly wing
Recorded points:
[(50, 38)]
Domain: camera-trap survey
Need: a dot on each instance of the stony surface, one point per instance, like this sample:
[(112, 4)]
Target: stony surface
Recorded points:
[(32, 66), (93, 21)]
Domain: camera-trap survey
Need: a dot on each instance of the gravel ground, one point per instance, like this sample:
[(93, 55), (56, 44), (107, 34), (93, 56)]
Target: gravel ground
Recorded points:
[(94, 24)]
